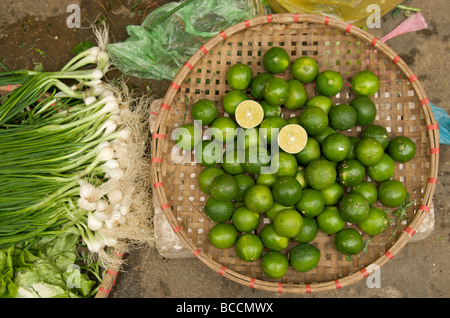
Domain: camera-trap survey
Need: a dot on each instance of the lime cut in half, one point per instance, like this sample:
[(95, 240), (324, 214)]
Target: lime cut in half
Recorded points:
[(292, 138), (249, 114)]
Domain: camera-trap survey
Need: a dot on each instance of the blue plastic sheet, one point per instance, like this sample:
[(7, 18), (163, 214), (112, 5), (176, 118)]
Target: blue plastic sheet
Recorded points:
[(443, 120)]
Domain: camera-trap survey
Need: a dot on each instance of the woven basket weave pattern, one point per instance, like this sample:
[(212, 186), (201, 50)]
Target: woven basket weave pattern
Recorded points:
[(402, 108)]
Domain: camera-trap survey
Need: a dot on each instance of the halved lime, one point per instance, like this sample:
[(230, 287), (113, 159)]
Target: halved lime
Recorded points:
[(249, 114), (292, 138)]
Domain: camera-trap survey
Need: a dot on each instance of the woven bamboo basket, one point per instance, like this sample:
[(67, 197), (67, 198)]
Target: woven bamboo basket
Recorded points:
[(402, 107)]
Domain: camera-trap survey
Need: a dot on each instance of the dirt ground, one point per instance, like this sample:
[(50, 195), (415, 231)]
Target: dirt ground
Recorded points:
[(33, 32)]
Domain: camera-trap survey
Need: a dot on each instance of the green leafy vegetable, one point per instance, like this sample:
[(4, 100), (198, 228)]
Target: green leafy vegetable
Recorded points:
[(71, 166), (81, 47), (48, 269)]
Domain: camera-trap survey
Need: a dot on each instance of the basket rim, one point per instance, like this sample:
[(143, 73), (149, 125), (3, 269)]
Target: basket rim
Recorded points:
[(298, 288)]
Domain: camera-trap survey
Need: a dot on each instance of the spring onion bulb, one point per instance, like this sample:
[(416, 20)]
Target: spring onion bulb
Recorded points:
[(86, 205), (101, 206), (71, 157), (115, 196)]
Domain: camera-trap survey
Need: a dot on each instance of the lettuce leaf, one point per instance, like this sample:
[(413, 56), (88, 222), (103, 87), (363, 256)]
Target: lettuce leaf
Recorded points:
[(46, 269)]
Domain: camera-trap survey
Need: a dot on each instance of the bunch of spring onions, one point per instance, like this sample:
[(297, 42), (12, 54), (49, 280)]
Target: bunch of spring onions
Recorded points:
[(73, 157)]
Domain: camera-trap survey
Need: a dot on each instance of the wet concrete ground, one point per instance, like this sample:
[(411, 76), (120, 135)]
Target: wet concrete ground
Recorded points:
[(30, 28)]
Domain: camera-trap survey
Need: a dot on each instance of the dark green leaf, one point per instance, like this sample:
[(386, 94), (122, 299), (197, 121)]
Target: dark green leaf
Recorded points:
[(81, 47), (396, 12)]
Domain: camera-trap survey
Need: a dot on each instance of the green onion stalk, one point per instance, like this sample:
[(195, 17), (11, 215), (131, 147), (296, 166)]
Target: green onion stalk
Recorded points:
[(73, 157)]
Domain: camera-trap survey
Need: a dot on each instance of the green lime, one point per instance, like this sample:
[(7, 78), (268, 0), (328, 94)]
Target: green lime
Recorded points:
[(305, 69), (334, 163), (276, 91), (231, 162), (284, 164), (300, 176), (224, 188), (239, 76), (308, 232), (222, 235), (297, 96), (365, 109), (392, 193), (324, 102), (402, 149), (274, 264), (224, 129), (353, 142), (354, 208), (350, 172), (369, 151), (245, 220), (206, 177), (232, 156), (311, 203), (277, 207), (304, 257), (329, 83), (333, 194), (342, 117), (249, 247), (330, 220), (219, 212), (320, 174), (376, 223), (266, 179), (270, 110), (383, 170), (287, 190), (249, 138), (365, 83), (376, 132), (258, 83), (336, 147), (314, 120), (188, 136), (271, 239), (276, 60), (288, 223), (311, 151), (204, 110), (270, 127), (259, 198), (209, 153), (244, 182), (348, 241), (294, 120), (324, 134), (368, 190), (256, 158), (232, 99), (238, 204)]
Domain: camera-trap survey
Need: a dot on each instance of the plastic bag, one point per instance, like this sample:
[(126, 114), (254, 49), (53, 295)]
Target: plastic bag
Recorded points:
[(351, 11), (158, 53), (443, 120)]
